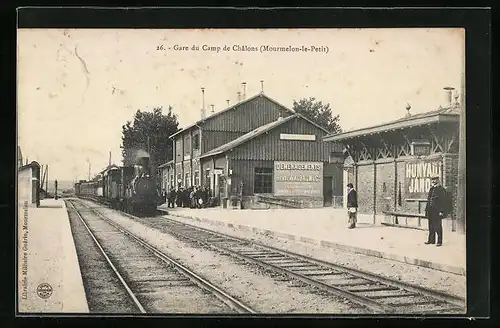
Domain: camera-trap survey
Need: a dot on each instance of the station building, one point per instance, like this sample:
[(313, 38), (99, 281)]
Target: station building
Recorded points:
[(258, 151), (28, 185), (391, 164)]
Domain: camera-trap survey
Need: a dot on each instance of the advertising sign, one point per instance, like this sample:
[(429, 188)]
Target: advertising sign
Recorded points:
[(298, 178), (418, 177)]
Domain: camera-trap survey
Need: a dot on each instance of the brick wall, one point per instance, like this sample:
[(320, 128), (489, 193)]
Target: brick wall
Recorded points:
[(365, 188), (385, 194)]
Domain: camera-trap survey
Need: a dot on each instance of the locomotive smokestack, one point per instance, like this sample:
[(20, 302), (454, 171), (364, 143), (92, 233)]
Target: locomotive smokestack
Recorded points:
[(244, 90), (239, 96), (227, 100), (213, 110), (144, 162)]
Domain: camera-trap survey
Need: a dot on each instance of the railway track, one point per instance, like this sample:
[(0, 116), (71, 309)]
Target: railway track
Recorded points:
[(153, 281), (376, 292)]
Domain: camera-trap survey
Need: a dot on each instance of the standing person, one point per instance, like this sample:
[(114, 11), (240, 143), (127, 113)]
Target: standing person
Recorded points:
[(192, 197), (179, 195), (205, 196), (352, 205), (435, 210), (171, 198)]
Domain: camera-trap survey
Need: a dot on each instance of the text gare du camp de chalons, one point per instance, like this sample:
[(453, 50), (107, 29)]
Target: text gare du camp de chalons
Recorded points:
[(245, 48)]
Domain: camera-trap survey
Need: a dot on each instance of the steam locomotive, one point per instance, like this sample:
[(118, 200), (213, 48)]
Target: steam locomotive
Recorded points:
[(127, 188)]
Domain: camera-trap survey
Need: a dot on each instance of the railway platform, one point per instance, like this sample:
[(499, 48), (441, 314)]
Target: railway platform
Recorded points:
[(327, 227), (48, 271)]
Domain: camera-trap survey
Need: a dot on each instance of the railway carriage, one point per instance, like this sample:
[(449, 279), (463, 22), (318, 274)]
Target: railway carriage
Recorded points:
[(128, 188), (111, 185)]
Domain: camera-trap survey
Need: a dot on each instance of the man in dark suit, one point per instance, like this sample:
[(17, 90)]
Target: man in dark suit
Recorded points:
[(435, 211), (352, 205), (171, 198)]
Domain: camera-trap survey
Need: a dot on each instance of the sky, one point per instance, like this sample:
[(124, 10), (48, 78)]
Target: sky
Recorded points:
[(76, 88)]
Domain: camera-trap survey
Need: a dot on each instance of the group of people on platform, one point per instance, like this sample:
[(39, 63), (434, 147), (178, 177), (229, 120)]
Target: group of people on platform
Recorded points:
[(191, 197)]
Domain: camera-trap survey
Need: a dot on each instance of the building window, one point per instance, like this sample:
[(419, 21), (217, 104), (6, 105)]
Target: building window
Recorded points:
[(187, 181), (263, 181), (196, 178), (178, 149), (196, 141), (187, 145), (179, 179), (207, 181)]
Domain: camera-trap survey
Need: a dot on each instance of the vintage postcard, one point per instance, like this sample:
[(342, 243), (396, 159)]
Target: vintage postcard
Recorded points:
[(255, 171)]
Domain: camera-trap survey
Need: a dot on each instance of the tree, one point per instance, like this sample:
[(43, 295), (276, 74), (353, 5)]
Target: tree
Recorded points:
[(148, 135), (319, 113)]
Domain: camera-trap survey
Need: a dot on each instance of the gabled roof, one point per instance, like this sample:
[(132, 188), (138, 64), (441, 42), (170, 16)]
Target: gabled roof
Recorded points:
[(249, 136), (447, 114), (313, 123), (230, 108), (110, 167)]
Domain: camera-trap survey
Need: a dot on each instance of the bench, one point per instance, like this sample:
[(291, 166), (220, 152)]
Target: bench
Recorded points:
[(420, 201), (397, 215)]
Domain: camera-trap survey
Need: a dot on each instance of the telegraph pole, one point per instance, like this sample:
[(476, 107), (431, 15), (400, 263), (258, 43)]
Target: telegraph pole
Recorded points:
[(461, 203)]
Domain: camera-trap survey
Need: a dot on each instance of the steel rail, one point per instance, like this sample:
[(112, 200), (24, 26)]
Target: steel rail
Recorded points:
[(127, 288), (198, 280), (334, 290), (367, 301), (453, 299)]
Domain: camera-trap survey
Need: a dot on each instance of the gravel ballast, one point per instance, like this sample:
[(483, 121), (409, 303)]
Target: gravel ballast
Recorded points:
[(248, 283)]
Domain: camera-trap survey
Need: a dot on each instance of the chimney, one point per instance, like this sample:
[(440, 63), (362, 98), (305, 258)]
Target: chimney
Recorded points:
[(239, 96), (261, 86), (213, 110), (244, 90), (203, 114), (448, 96), (227, 100)]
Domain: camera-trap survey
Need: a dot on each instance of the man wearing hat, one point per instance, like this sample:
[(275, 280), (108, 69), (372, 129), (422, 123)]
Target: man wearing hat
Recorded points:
[(435, 211), (352, 205)]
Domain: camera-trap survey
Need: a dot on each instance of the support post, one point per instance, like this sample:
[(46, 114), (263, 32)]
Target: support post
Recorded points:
[(461, 164)]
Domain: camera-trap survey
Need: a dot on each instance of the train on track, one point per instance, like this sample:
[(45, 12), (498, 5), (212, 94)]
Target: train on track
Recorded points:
[(127, 188)]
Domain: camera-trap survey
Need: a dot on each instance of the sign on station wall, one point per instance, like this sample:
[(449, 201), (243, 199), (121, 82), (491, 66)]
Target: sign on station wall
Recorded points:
[(418, 176), (298, 178)]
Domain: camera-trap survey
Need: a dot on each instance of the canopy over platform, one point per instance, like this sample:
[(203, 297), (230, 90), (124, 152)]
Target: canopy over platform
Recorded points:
[(441, 115)]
